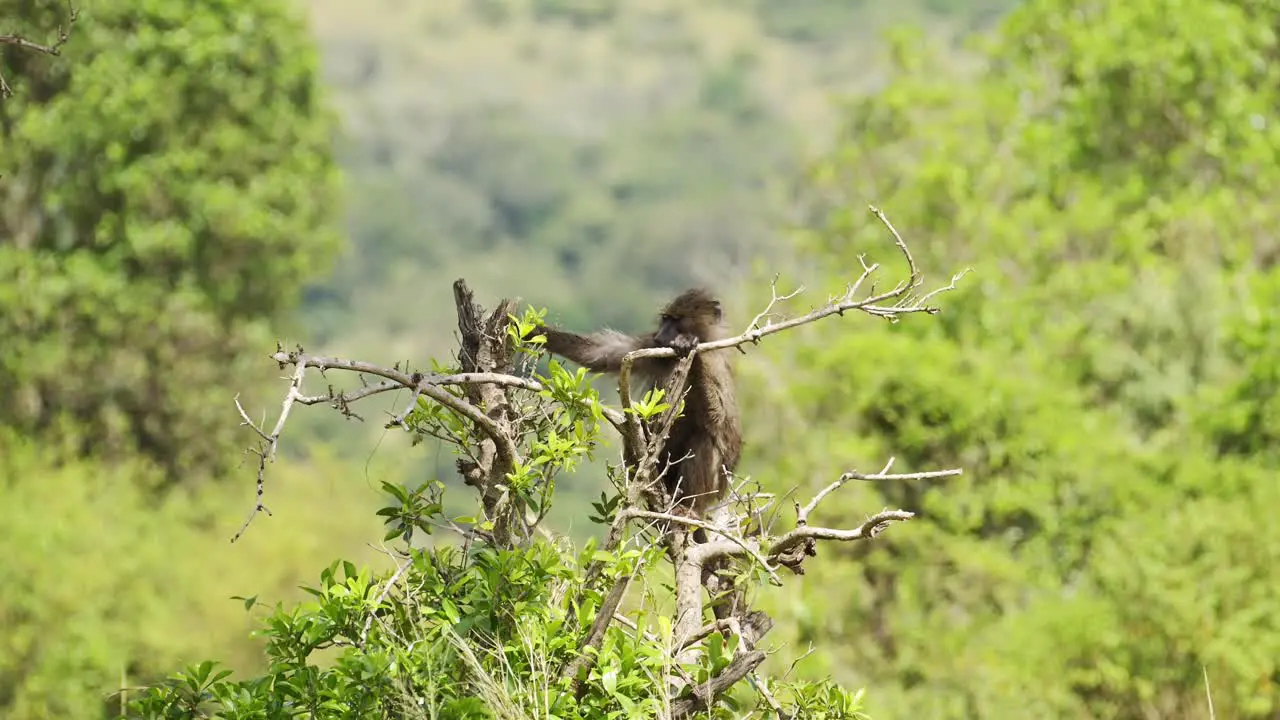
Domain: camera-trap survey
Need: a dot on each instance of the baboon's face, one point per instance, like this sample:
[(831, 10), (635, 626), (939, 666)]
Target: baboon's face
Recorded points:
[(694, 313), (670, 327)]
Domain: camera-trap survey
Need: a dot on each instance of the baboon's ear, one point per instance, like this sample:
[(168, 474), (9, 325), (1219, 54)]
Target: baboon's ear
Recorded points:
[(719, 315)]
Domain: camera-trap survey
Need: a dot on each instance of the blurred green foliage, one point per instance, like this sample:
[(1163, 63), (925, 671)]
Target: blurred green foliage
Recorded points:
[(166, 192), (166, 186), (480, 634), (110, 588), (1106, 377)]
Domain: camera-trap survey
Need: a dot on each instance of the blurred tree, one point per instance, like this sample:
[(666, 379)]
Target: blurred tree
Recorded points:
[(1110, 170), (1102, 171), (52, 47), (166, 189), (1241, 414)]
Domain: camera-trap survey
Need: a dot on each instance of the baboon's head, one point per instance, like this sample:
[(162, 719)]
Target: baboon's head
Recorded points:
[(694, 312)]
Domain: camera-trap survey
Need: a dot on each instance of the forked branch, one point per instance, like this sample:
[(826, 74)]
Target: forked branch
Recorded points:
[(54, 48), (903, 302), (486, 360)]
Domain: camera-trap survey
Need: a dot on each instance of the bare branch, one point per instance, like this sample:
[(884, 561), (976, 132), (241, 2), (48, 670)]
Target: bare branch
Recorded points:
[(488, 378), (473, 378), (644, 458), (722, 625), (868, 529), (393, 378), (630, 624), (54, 48), (897, 239), (802, 515), (701, 697), (632, 438), (789, 549), (586, 657), (399, 420), (743, 544), (271, 441), (413, 381), (849, 300), (762, 688), (797, 661), (774, 299), (342, 399)]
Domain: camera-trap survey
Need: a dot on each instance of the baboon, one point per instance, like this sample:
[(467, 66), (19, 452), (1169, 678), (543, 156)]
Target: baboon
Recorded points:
[(706, 440)]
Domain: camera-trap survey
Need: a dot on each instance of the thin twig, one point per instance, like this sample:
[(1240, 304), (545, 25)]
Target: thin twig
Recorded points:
[(271, 442), (1207, 692), (802, 516), (774, 299), (54, 48), (705, 632), (897, 239), (382, 595), (769, 699), (396, 380), (399, 420), (630, 624), (868, 529), (506, 448), (835, 306)]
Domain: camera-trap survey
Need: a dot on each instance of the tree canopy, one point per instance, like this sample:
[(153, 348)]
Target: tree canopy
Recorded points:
[(165, 194), (167, 184), (1109, 171)]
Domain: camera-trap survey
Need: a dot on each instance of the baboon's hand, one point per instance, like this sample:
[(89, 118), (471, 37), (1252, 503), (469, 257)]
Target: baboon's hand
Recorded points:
[(684, 344)]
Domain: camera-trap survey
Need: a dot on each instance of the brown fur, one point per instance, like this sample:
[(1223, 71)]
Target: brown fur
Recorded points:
[(708, 431)]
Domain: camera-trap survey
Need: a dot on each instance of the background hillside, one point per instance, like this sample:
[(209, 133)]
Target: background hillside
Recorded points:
[(582, 154)]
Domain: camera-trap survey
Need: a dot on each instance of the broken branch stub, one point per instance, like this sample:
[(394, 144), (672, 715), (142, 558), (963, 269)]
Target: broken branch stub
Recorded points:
[(486, 348)]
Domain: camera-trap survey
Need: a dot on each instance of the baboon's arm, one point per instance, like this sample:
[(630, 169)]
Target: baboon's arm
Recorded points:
[(600, 351)]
